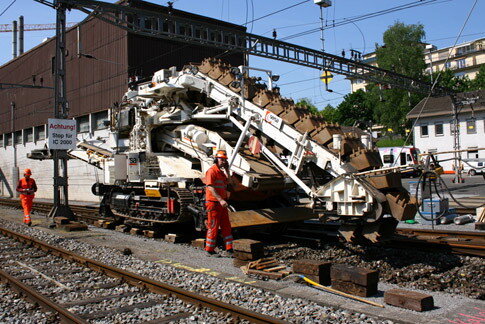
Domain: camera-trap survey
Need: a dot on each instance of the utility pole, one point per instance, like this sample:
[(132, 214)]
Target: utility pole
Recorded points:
[(15, 168), (61, 206), (323, 4)]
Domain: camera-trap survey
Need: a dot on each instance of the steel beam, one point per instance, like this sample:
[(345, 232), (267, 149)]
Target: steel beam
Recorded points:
[(186, 30)]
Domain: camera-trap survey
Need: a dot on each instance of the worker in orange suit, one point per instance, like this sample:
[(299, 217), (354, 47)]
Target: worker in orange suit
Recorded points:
[(27, 188), (216, 197)]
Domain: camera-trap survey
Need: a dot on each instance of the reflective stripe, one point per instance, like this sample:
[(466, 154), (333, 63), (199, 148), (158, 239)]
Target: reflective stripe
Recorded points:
[(209, 240), (211, 245), (228, 237), (221, 187), (219, 181)]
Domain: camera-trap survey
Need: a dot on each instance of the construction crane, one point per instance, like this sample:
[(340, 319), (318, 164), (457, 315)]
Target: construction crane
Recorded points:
[(5, 28)]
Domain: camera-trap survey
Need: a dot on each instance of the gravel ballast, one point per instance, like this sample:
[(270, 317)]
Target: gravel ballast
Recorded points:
[(294, 310)]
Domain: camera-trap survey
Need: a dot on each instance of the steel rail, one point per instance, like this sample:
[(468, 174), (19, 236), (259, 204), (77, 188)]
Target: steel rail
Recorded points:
[(150, 284), (441, 233), (46, 303)]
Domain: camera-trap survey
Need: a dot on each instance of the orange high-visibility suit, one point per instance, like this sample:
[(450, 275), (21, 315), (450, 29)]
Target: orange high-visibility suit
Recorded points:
[(27, 187), (217, 216)]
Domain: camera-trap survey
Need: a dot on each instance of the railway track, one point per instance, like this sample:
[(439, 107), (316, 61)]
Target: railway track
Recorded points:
[(460, 242), (81, 290)]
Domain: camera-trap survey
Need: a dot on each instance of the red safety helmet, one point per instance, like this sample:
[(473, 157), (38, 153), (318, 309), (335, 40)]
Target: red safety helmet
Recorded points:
[(28, 172), (221, 154)]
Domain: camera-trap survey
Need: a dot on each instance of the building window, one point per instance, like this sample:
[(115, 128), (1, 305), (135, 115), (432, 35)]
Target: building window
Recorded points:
[(424, 131), (8, 139), (388, 158), (465, 49), (100, 120), (432, 151), (39, 133), (452, 127), (28, 135), (17, 138), (472, 154), (460, 63), (1, 140), (83, 124), (438, 129), (447, 65), (471, 127)]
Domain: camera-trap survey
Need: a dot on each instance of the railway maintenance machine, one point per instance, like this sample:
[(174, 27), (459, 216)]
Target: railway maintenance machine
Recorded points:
[(286, 164)]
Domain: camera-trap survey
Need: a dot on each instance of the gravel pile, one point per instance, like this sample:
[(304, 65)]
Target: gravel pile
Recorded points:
[(450, 273), (294, 310)]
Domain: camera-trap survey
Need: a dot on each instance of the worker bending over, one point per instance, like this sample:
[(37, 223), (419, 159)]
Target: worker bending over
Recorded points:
[(216, 203), (27, 188)]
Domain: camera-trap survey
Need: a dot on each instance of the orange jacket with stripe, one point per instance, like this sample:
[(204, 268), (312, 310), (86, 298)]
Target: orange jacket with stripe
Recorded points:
[(216, 178), (29, 184)]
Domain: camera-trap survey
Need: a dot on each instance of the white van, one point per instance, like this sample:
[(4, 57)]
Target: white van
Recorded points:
[(473, 166), (400, 156)]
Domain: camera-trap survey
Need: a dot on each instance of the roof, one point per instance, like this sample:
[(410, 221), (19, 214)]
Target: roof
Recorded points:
[(441, 106)]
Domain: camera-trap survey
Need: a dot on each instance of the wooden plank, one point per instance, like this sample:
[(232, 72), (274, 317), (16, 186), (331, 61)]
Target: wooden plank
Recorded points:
[(311, 267), (409, 299), (247, 256), (247, 245), (354, 289), (359, 276), (281, 267), (271, 275)]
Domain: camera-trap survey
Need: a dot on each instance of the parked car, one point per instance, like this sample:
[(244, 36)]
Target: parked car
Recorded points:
[(474, 166)]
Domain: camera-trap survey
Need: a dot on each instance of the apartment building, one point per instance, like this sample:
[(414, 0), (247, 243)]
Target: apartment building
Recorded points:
[(464, 60)]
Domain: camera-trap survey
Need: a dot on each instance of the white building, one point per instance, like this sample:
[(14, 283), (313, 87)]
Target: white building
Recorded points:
[(433, 132)]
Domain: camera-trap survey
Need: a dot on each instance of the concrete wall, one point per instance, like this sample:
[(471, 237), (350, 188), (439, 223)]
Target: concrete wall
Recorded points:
[(434, 142)]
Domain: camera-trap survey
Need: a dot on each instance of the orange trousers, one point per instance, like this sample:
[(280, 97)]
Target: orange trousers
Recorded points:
[(27, 201), (217, 216)]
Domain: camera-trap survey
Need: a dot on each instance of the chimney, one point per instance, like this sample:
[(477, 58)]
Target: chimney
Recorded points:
[(21, 35), (14, 39)]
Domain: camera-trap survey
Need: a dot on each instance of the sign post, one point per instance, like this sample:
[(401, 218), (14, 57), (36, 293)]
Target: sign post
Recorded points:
[(62, 134), (61, 131)]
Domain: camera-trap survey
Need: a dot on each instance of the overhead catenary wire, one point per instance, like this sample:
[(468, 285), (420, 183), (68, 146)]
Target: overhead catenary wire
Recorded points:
[(5, 10), (348, 20), (275, 12)]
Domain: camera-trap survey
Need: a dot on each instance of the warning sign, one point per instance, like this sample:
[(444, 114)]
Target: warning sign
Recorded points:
[(62, 134), (326, 77)]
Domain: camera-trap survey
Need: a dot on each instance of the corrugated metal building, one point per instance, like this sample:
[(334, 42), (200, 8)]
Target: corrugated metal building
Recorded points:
[(93, 84)]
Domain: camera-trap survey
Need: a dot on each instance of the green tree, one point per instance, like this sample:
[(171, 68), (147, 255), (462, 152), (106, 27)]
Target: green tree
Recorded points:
[(448, 80), (479, 82), (330, 114), (308, 104), (355, 108), (402, 52)]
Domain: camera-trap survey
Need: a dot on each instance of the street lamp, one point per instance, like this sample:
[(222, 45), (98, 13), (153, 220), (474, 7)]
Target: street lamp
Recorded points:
[(431, 48)]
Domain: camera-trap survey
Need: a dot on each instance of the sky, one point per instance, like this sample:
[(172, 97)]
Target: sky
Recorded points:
[(442, 20)]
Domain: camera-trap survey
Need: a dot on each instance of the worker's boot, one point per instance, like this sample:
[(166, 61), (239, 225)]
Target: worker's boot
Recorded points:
[(213, 254), (228, 253)]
